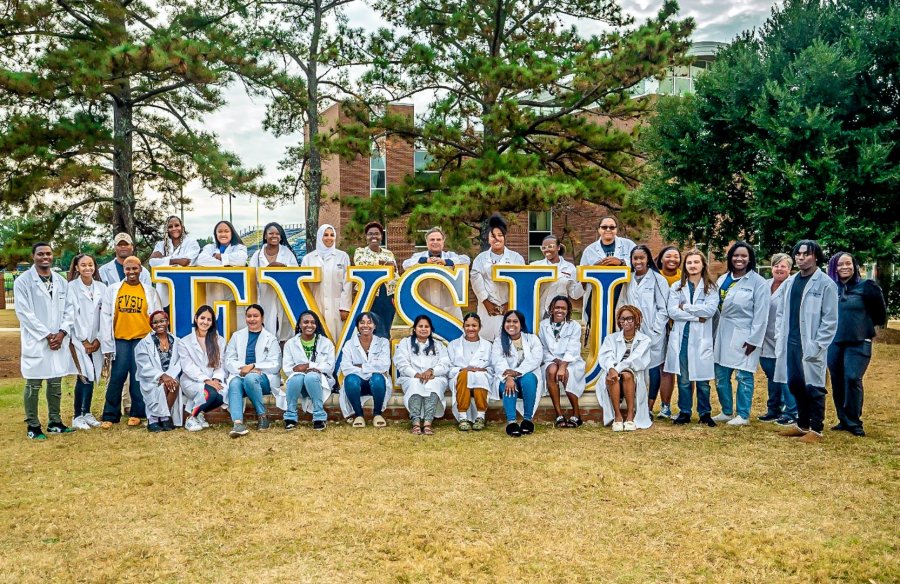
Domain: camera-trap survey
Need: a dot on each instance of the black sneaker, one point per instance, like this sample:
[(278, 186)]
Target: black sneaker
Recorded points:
[(785, 420), (167, 425), (769, 417), (682, 419), (319, 425), (35, 433), (527, 427), (513, 429), (58, 428), (857, 431), (155, 427), (707, 419), (290, 425), (839, 427)]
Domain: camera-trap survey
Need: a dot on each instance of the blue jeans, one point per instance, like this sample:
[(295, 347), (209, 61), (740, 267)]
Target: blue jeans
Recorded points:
[(356, 387), (685, 392), (84, 391), (655, 380), (780, 401), (744, 390), (254, 386), (309, 385), (526, 388), (123, 366)]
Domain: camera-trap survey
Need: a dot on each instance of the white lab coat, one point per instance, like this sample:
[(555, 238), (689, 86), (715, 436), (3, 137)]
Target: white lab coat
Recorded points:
[(567, 348), (108, 314), (435, 292), (565, 284), (84, 310), (700, 344), (234, 255), (195, 370), (651, 296), (776, 309), (611, 356), (593, 253), (818, 325), (743, 319), (324, 362), (355, 360), (486, 288), (268, 360), (110, 275), (149, 370), (335, 292), (407, 364), (462, 353), (275, 319), (40, 315), (189, 249), (534, 356)]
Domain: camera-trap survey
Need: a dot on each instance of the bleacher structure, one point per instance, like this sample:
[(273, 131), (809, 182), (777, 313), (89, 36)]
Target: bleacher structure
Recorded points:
[(296, 234)]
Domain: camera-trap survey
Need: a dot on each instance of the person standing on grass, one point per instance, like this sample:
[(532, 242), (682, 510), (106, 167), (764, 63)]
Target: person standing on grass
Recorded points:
[(669, 263), (781, 407), (744, 312), (175, 249), (124, 321), (563, 365), (807, 328), (366, 364), (469, 358), (41, 296), (861, 308), (158, 369), (309, 365), (275, 252), (433, 291), (113, 271), (493, 297), (566, 274), (421, 365), (85, 296), (253, 367), (373, 254), (693, 302), (625, 356), (516, 359), (201, 355)]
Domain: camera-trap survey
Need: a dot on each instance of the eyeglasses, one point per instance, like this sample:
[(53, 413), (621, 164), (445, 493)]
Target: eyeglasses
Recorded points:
[(626, 319), (608, 227)]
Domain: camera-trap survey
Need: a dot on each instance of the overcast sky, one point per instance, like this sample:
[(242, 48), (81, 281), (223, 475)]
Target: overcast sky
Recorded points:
[(239, 125)]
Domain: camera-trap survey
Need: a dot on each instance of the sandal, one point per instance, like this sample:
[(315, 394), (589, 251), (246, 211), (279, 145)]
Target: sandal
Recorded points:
[(416, 430), (427, 430), (379, 422), (359, 422), (562, 422), (527, 427), (575, 422)]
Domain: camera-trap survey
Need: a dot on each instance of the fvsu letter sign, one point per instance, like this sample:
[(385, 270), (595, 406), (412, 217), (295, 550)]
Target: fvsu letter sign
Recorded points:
[(188, 291)]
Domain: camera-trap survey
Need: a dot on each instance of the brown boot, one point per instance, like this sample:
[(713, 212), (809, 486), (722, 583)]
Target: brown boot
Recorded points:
[(811, 438), (793, 432)]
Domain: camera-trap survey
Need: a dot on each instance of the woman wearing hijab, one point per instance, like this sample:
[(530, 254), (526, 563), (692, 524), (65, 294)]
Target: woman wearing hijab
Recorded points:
[(275, 252), (493, 297), (175, 249), (333, 293)]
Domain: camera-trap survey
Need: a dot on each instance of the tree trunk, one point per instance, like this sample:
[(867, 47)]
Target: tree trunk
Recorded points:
[(123, 191), (314, 180)]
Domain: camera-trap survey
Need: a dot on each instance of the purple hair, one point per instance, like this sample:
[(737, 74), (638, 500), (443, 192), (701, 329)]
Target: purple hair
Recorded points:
[(832, 268)]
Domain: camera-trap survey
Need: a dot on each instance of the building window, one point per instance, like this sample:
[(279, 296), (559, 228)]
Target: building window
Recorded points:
[(419, 243), (540, 225), (378, 168), (422, 160)]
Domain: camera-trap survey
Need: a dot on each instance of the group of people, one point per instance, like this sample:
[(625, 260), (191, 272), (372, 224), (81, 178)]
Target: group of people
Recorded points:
[(674, 322)]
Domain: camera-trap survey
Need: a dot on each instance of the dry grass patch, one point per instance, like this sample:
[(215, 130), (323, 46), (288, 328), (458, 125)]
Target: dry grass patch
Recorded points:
[(668, 504)]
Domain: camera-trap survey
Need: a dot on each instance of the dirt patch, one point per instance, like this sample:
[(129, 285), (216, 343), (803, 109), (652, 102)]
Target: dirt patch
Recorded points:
[(9, 355), (889, 336)]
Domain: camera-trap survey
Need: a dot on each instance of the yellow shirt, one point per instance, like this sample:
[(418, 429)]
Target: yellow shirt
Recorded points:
[(130, 320), (672, 279)]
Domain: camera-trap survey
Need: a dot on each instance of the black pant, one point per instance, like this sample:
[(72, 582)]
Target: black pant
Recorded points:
[(123, 366), (848, 363), (810, 398), (84, 392)]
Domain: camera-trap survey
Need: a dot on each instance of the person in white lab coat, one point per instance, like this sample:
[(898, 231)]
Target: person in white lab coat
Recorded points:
[(84, 299), (693, 302), (158, 368), (202, 357), (808, 326), (334, 293), (421, 365), (744, 312), (275, 252), (608, 250), (226, 249), (669, 263), (44, 323), (113, 271), (781, 407), (625, 357), (565, 284), (432, 291), (649, 291), (253, 367), (563, 364), (469, 360), (365, 364), (309, 358), (516, 358), (493, 297), (175, 249)]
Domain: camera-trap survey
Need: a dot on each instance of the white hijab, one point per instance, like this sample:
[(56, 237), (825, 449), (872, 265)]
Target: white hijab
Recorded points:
[(324, 251)]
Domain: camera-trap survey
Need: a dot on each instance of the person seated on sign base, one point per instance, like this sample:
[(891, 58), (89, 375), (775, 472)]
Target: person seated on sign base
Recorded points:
[(309, 365), (625, 357), (158, 369), (421, 365), (563, 365), (468, 362), (201, 355), (516, 358), (365, 364)]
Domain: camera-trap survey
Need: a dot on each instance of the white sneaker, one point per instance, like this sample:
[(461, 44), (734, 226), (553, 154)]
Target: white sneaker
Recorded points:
[(202, 419), (80, 423), (738, 421), (193, 425), (91, 420), (630, 426), (618, 426), (723, 417)]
